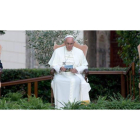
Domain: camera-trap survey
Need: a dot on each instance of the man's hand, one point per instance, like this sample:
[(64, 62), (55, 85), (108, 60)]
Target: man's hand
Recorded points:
[(73, 70), (63, 69)]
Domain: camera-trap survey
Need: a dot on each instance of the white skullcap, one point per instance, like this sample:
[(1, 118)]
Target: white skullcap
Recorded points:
[(69, 36)]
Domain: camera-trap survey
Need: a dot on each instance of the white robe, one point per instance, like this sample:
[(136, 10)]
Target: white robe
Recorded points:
[(66, 85)]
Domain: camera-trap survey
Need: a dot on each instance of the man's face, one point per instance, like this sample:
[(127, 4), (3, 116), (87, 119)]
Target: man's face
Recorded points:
[(69, 42)]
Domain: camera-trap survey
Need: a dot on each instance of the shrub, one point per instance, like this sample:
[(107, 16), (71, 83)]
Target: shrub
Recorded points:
[(14, 101), (114, 102), (101, 85), (44, 88)]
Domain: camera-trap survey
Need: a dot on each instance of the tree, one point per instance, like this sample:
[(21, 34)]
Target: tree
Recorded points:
[(43, 41), (128, 41)]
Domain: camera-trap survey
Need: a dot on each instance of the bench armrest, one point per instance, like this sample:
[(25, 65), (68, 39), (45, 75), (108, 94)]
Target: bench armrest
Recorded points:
[(86, 72), (52, 71)]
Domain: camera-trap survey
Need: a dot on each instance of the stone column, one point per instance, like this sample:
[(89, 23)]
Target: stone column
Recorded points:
[(90, 41)]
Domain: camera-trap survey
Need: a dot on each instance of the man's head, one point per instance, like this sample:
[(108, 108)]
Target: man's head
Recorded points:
[(69, 42)]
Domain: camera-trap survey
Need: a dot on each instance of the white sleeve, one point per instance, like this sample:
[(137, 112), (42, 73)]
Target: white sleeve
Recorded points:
[(84, 64), (55, 62)]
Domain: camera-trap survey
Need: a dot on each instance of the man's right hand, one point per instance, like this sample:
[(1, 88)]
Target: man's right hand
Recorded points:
[(63, 69)]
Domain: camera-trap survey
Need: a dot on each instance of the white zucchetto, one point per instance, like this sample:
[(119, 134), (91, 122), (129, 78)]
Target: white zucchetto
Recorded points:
[(69, 36)]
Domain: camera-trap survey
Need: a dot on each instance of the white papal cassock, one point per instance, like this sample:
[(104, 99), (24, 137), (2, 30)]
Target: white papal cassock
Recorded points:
[(66, 85)]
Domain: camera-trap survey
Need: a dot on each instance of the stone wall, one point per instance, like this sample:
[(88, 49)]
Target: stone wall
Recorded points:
[(90, 41), (103, 49), (13, 49)]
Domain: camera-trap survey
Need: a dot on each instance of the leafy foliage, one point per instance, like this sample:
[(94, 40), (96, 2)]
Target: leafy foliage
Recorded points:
[(108, 69), (101, 85), (104, 85), (71, 105), (9, 102), (2, 32), (44, 88), (13, 96), (43, 41), (115, 102), (128, 41)]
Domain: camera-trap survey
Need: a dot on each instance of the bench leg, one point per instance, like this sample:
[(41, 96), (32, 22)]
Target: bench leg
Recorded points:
[(52, 97), (123, 85)]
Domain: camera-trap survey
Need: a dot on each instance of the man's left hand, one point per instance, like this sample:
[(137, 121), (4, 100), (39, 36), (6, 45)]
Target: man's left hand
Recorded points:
[(73, 70)]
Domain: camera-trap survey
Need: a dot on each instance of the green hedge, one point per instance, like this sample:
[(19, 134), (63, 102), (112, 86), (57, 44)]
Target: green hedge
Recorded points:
[(101, 85), (108, 69), (20, 74)]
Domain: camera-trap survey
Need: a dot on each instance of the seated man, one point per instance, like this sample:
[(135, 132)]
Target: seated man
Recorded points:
[(68, 84)]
